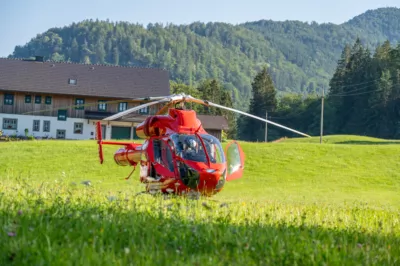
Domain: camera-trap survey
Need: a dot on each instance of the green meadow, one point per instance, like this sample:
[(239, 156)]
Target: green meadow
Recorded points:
[(299, 203)]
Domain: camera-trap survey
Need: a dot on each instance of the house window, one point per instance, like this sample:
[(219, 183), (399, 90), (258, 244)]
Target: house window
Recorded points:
[(46, 126), (9, 123), (72, 81), (36, 125), (28, 98), (8, 99), (48, 100), (122, 107), (144, 110), (62, 115), (102, 106), (38, 99), (79, 104), (60, 134), (78, 128)]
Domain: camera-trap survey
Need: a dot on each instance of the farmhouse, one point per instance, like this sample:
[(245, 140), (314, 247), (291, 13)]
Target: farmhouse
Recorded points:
[(65, 100), (214, 125)]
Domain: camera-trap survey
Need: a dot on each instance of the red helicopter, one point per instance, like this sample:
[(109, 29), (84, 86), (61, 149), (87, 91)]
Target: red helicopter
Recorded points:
[(178, 156)]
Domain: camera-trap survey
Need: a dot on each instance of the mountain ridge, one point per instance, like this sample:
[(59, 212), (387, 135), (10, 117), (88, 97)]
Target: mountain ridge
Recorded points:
[(301, 56)]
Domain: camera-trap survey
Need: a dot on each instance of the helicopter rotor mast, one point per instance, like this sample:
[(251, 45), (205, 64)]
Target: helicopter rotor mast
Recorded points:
[(178, 98)]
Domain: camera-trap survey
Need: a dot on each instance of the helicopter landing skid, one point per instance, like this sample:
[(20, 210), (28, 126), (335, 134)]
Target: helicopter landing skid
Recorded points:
[(194, 195), (153, 191)]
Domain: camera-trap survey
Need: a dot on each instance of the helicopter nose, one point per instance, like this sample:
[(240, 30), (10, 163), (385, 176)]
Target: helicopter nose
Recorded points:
[(213, 179)]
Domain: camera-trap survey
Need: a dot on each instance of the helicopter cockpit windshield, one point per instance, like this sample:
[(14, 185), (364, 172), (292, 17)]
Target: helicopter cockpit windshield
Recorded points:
[(190, 147)]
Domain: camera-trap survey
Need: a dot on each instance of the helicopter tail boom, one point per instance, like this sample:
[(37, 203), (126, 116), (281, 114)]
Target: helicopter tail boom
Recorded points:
[(121, 153)]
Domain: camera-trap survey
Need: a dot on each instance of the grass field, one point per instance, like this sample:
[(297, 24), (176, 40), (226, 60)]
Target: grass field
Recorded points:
[(299, 203)]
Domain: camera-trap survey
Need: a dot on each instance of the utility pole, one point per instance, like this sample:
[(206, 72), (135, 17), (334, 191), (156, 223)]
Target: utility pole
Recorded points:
[(322, 115), (266, 127)]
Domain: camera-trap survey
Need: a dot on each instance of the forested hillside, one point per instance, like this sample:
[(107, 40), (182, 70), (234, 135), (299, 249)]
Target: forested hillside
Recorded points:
[(364, 99), (301, 57)]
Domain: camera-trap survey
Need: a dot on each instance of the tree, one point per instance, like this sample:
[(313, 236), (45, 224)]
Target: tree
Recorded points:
[(351, 106), (263, 100), (338, 79)]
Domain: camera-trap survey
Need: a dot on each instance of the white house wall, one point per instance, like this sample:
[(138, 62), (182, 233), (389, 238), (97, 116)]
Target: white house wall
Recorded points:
[(26, 121)]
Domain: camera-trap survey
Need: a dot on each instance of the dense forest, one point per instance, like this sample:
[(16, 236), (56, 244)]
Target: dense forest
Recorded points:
[(364, 99), (301, 57)]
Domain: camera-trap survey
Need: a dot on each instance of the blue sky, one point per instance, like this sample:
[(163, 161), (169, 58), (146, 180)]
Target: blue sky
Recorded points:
[(21, 20)]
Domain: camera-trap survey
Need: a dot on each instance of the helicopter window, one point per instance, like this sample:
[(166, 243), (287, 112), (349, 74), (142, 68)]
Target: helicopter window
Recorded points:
[(157, 150), (189, 147), (167, 157), (214, 148)]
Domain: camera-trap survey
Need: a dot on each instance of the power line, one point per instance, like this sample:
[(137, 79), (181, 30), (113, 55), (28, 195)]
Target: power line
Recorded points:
[(355, 94), (343, 94), (334, 95), (362, 83), (350, 91), (354, 85), (358, 89)]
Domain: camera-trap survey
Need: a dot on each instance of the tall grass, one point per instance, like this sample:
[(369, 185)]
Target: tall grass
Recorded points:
[(298, 204), (60, 225)]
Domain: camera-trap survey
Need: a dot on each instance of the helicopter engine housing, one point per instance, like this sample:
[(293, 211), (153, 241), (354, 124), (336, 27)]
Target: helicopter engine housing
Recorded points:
[(125, 157), (152, 126), (146, 128)]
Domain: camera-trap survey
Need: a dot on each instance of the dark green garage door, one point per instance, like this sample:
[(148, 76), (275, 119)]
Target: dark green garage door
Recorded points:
[(120, 132)]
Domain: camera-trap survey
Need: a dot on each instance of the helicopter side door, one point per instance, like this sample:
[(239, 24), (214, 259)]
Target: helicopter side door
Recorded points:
[(163, 158), (235, 161), (167, 157)]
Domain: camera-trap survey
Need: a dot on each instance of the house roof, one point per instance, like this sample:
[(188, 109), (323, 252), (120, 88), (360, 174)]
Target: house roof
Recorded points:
[(213, 122), (92, 80)]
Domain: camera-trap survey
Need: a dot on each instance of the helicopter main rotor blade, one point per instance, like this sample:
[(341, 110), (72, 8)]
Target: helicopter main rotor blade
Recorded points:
[(204, 102), (256, 117), (131, 110), (136, 108), (176, 98)]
